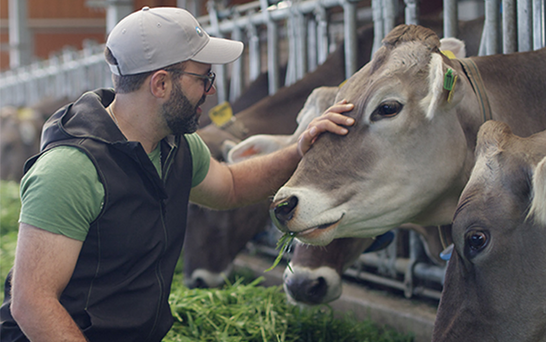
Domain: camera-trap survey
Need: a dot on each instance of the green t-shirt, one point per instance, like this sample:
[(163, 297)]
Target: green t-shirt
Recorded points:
[(62, 192)]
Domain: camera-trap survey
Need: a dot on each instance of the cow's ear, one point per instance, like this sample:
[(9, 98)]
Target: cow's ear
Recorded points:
[(456, 46), (444, 90), (257, 145), (538, 202)]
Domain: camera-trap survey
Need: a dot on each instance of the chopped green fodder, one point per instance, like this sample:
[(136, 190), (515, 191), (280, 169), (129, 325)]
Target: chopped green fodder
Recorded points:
[(254, 313), (283, 245)]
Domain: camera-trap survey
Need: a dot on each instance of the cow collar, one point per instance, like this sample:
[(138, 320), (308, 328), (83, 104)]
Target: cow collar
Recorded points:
[(473, 74)]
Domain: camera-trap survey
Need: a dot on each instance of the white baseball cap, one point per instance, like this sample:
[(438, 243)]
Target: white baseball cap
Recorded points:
[(153, 38)]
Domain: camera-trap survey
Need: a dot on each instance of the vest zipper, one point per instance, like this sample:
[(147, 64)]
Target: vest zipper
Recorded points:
[(159, 274)]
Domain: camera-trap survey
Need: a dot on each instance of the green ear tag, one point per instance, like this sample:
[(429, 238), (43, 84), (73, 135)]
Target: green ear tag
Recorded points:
[(449, 80), (449, 83)]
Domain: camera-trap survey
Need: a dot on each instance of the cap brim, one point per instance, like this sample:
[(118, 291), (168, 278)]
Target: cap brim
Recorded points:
[(219, 51)]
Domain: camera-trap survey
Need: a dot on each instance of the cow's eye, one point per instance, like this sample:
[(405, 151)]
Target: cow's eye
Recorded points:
[(387, 109), (475, 241)]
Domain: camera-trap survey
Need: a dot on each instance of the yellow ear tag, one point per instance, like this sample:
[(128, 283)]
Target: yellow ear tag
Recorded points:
[(449, 54), (221, 114), (342, 84)]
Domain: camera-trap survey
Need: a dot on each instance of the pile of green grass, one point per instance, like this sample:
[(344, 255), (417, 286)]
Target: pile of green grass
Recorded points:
[(251, 313)]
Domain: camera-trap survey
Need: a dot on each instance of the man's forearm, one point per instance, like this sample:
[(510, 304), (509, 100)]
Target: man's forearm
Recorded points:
[(46, 321), (258, 178)]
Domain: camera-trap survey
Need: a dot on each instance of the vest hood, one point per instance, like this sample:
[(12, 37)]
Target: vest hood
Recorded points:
[(85, 118)]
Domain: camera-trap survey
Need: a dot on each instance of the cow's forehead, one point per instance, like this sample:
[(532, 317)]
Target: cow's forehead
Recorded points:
[(409, 56), (402, 63)]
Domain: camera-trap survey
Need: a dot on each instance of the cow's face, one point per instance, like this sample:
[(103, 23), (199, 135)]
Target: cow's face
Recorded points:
[(402, 160), (495, 279)]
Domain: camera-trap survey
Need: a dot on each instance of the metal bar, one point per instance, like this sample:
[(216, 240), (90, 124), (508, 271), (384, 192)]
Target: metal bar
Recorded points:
[(322, 34), (220, 70), (508, 26), (312, 52), (451, 15), (20, 39), (389, 15), (412, 12), (538, 24), (525, 25), (301, 43), (377, 15), (237, 70), (272, 44), (349, 15), (492, 24), (254, 52)]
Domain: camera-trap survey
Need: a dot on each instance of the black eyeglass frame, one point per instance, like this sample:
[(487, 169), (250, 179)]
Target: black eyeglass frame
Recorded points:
[(208, 79)]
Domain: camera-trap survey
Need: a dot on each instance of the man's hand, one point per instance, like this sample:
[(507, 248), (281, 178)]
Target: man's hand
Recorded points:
[(330, 121)]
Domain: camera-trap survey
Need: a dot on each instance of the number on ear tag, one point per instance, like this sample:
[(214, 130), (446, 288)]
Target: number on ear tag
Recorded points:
[(221, 114)]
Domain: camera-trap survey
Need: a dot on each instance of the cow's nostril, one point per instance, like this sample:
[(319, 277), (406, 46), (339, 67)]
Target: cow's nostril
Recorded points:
[(305, 290), (199, 283), (284, 211)]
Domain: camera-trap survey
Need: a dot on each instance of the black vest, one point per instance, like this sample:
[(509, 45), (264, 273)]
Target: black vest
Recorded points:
[(120, 287)]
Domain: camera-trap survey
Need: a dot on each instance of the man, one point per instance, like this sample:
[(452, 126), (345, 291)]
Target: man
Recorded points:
[(104, 205)]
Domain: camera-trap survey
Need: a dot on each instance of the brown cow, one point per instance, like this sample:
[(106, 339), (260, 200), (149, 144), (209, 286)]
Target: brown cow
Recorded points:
[(269, 116), (494, 285), (411, 151)]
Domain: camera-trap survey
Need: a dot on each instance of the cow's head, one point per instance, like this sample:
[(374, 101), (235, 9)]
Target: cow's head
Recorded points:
[(406, 159), (314, 275), (494, 285)]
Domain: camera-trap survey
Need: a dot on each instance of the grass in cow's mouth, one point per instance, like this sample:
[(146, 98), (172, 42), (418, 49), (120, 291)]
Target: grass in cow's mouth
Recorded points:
[(283, 245)]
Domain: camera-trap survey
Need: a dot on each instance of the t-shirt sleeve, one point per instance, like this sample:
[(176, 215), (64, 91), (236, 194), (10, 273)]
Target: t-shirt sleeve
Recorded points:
[(200, 155), (62, 193)]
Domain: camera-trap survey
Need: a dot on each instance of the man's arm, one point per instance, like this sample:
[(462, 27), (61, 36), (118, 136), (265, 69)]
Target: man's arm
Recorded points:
[(44, 263), (228, 186)]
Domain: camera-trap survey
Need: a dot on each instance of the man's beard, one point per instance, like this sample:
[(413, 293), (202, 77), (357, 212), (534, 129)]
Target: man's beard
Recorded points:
[(180, 115)]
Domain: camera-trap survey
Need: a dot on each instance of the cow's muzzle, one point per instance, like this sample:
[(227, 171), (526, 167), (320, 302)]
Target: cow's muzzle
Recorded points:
[(283, 211)]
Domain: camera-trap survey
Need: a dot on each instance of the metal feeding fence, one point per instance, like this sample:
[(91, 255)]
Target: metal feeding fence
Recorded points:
[(302, 33)]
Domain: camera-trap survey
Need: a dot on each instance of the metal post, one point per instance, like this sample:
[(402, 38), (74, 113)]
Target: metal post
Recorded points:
[(20, 38), (389, 15), (237, 70), (272, 51), (254, 52), (312, 38), (412, 12), (508, 26), (492, 26), (377, 14), (221, 73), (525, 25), (451, 14), (301, 42), (349, 16), (538, 24), (322, 34), (117, 10), (291, 67)]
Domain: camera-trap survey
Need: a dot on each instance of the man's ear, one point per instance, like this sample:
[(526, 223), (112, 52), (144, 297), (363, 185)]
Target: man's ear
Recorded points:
[(160, 83)]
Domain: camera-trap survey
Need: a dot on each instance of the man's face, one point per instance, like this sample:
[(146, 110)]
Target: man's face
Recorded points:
[(180, 114)]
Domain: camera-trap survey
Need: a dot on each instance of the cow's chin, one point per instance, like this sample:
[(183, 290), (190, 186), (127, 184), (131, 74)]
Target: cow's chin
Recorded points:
[(319, 236), (324, 234)]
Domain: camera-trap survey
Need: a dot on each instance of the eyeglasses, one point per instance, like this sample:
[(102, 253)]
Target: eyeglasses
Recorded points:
[(208, 79)]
